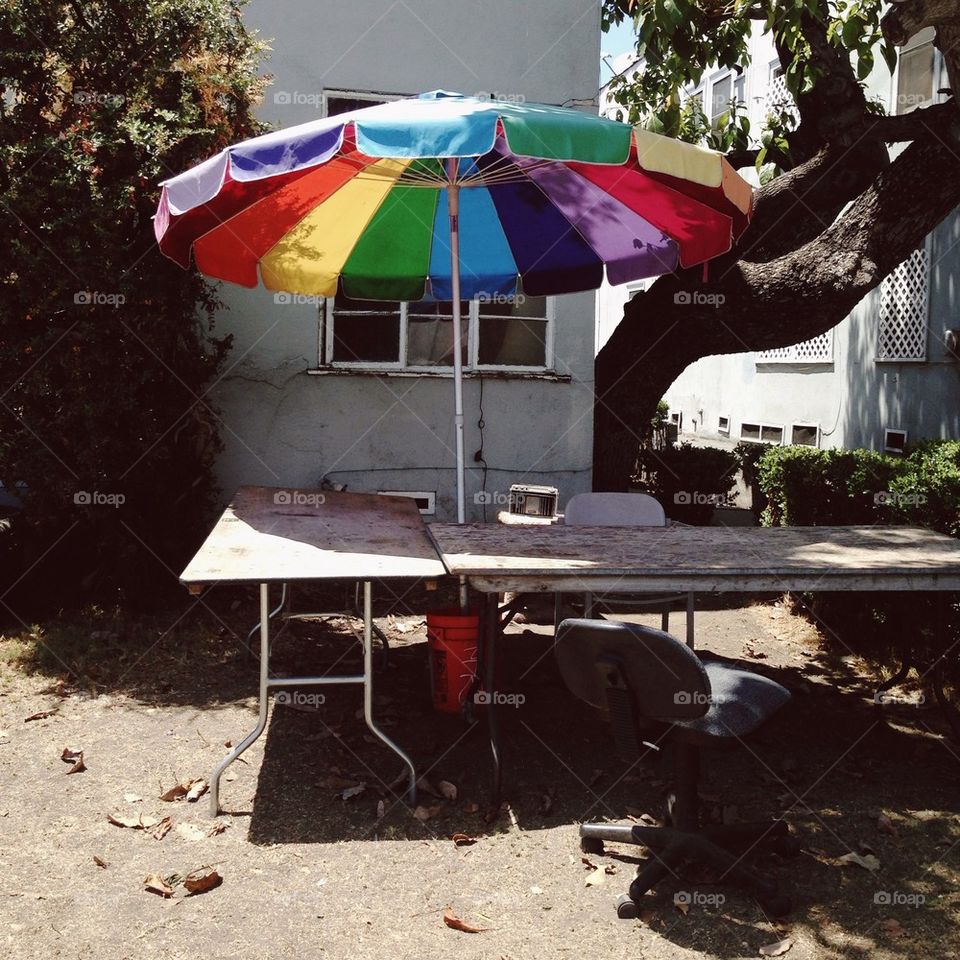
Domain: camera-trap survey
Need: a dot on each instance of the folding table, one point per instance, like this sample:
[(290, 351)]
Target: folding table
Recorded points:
[(280, 536), (496, 558)]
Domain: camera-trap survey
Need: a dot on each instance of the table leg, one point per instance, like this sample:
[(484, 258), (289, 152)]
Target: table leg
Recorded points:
[(368, 689), (491, 628), (264, 701)]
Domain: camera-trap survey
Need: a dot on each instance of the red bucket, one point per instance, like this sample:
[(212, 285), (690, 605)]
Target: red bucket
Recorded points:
[(453, 638)]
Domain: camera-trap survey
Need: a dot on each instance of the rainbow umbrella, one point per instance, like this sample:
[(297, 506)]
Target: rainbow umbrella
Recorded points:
[(446, 197)]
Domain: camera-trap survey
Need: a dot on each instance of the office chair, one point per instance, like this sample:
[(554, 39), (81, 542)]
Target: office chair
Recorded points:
[(623, 510), (661, 694)]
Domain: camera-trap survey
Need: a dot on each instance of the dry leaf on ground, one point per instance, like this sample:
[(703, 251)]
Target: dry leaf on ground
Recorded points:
[(453, 921), (447, 790), (154, 883), (42, 715), (202, 880), (595, 878), (463, 839), (886, 825), (218, 828), (163, 828), (776, 949), (892, 928), (868, 861), (352, 792), (425, 813), (100, 862), (135, 821), (75, 757)]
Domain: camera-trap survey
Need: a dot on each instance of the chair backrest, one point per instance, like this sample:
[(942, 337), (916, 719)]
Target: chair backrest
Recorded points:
[(614, 510), (665, 677)]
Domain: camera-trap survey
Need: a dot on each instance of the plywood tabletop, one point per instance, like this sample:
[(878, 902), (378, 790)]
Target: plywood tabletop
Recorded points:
[(268, 534), (496, 556)]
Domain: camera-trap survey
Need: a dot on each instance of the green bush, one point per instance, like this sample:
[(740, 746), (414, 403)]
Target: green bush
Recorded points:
[(803, 486), (107, 431), (689, 481)]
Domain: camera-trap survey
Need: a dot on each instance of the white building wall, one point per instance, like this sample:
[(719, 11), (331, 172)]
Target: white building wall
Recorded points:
[(284, 426)]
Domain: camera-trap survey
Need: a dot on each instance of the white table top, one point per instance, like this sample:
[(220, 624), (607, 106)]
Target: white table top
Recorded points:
[(267, 535), (497, 557)]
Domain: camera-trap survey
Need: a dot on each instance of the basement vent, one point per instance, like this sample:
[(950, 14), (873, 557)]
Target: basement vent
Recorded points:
[(816, 350), (426, 500), (904, 296)]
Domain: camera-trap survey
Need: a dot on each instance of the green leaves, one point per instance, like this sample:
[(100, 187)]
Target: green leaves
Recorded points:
[(105, 344)]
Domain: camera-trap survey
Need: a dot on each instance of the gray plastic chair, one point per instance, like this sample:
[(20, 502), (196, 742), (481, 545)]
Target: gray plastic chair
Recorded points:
[(624, 510), (660, 694)]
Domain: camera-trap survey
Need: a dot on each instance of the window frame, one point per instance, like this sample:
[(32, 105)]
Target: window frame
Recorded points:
[(713, 81), (937, 70), (806, 426), (327, 321), (760, 425)]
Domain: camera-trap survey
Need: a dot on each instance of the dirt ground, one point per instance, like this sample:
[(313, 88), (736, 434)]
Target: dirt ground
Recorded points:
[(307, 873)]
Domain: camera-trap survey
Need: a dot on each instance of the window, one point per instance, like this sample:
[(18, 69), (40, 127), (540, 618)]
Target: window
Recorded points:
[(762, 433), (904, 296), (740, 90), (920, 71), (805, 434), (723, 425), (501, 334), (341, 101), (816, 350), (894, 441), (721, 93)]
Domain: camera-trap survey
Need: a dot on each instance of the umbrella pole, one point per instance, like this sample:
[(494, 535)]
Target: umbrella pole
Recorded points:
[(453, 207)]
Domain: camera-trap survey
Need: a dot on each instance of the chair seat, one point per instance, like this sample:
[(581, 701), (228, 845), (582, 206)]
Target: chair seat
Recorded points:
[(740, 701)]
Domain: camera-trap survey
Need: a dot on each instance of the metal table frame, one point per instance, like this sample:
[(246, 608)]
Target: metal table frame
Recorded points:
[(276, 536), (268, 683)]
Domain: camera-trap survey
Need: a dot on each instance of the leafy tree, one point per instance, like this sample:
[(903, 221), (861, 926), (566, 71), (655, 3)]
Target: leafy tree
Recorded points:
[(106, 348), (836, 219)]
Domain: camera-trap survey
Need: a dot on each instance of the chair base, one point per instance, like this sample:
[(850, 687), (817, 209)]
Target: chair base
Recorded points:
[(720, 848)]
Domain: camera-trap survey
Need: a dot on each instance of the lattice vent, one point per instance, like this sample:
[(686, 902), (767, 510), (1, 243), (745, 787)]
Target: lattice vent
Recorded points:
[(816, 350), (904, 296)]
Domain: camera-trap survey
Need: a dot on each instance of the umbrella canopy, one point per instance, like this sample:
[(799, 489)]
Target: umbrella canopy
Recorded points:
[(444, 197)]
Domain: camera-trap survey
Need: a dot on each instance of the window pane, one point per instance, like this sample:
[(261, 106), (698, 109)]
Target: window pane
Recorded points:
[(740, 89), (519, 306), (430, 339), (807, 436), (915, 82), (512, 342), (371, 337), (750, 431), (771, 434), (721, 93)]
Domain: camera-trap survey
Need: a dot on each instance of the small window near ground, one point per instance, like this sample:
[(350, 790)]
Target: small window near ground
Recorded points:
[(723, 425), (805, 435), (762, 433), (426, 500), (894, 441)]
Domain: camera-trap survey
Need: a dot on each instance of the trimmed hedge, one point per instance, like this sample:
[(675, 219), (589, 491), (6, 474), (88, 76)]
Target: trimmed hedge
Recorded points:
[(804, 486)]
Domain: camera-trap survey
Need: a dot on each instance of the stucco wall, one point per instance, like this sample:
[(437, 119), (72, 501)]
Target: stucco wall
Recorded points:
[(285, 426)]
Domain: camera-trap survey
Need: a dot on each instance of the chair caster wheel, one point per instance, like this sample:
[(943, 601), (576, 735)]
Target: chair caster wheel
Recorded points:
[(776, 904), (626, 908), (592, 845)]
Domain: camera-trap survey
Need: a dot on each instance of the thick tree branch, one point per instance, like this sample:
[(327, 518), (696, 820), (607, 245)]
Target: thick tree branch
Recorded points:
[(756, 306)]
